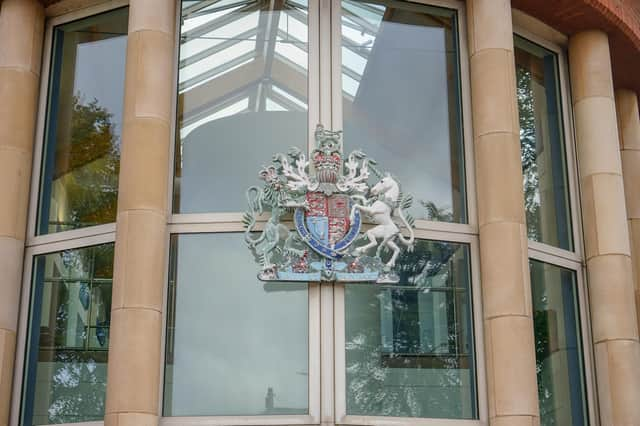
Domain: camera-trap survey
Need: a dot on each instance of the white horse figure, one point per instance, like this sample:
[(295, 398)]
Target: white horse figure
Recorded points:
[(381, 212)]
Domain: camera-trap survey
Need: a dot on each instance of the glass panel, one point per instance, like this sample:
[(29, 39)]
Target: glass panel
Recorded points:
[(559, 363), (409, 347), (242, 97), (235, 346), (544, 165), (66, 370), (401, 99), (81, 159)]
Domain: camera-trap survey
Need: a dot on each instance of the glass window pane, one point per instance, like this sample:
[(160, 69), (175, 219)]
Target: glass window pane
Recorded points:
[(401, 99), (242, 97), (559, 363), (235, 345), (66, 370), (81, 158), (409, 347), (544, 165)]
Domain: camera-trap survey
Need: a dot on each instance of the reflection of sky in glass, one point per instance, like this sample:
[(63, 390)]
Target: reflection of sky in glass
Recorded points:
[(91, 68), (396, 81), (235, 337)]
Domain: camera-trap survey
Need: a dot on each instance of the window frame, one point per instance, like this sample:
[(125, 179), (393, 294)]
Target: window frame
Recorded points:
[(193, 223), (466, 233), (475, 296), (541, 34), (327, 400), (25, 307), (32, 237), (37, 245)]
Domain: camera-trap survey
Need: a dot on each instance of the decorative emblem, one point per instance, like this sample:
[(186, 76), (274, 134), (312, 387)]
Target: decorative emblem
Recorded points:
[(331, 201)]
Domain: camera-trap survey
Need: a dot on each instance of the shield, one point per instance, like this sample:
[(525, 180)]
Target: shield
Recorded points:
[(325, 224)]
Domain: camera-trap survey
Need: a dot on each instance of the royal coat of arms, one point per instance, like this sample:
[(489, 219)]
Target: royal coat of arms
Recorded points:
[(329, 201)]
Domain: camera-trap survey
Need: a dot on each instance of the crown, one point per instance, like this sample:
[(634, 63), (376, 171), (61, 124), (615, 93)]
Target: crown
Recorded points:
[(326, 158)]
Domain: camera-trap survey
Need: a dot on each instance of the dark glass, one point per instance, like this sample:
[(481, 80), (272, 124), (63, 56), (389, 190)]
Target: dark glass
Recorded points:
[(542, 142), (235, 345), (409, 347), (242, 97), (401, 99), (66, 363), (81, 159), (559, 359)]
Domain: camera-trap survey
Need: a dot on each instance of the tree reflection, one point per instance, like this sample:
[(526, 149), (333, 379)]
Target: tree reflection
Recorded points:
[(526, 114), (73, 335), (78, 387), (88, 166), (415, 372)]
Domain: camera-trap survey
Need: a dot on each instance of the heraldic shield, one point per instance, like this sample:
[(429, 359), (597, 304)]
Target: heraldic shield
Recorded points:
[(328, 210)]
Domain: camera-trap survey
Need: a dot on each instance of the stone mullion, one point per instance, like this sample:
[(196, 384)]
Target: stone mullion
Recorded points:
[(506, 289), (629, 128), (135, 350), (21, 40), (610, 282)]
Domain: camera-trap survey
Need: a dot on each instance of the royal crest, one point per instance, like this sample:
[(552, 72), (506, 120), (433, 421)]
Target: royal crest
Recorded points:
[(331, 201)]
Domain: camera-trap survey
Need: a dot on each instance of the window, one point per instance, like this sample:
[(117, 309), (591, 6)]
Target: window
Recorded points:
[(243, 83), (235, 346), (558, 339), (401, 99), (81, 158), (61, 370), (254, 79), (544, 164), (555, 248), (68, 344), (409, 347)]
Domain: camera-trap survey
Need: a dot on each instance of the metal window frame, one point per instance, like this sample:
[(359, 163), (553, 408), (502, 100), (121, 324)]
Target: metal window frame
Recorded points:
[(37, 245), (189, 223), (326, 308), (425, 229), (39, 145), (539, 33)]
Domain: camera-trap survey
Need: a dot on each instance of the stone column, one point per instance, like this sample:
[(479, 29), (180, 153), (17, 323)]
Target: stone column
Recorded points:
[(141, 228), (21, 38), (629, 128), (613, 311), (506, 288)]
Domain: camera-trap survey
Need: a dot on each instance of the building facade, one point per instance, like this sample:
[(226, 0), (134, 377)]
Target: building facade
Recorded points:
[(130, 131)]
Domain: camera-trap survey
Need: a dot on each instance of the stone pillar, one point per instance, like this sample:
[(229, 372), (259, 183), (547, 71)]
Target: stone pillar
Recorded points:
[(506, 288), (141, 228), (21, 38), (629, 128), (613, 311)]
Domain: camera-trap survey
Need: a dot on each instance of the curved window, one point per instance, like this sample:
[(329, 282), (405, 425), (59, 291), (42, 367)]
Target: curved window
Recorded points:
[(66, 321), (254, 79), (555, 257)]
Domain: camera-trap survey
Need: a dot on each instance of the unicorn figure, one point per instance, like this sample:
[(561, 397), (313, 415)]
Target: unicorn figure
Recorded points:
[(388, 204)]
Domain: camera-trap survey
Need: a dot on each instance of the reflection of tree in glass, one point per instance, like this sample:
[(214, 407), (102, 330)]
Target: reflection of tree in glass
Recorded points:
[(438, 214), (77, 388), (526, 111), (541, 330), (77, 391), (383, 382), (91, 175)]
